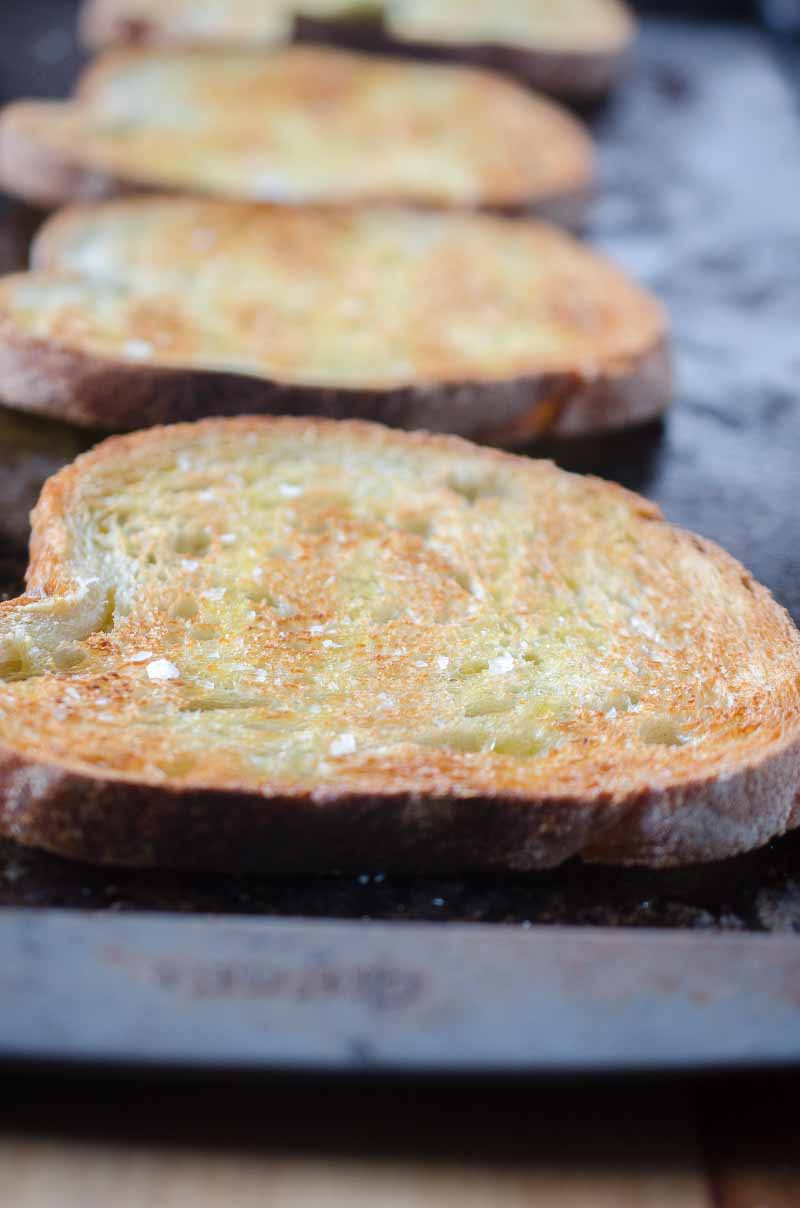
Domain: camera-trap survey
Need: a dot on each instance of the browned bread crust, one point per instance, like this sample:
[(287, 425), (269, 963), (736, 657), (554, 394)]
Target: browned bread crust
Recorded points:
[(577, 76), (116, 396), (609, 368), (697, 758)]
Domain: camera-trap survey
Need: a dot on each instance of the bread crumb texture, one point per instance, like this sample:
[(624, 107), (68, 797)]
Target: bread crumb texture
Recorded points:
[(294, 606)]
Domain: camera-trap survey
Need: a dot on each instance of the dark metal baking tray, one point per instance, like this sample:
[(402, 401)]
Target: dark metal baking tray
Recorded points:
[(700, 156)]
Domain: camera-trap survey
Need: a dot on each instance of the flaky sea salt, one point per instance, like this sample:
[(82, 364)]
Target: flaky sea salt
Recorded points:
[(138, 350), (345, 744), (501, 665), (163, 669)]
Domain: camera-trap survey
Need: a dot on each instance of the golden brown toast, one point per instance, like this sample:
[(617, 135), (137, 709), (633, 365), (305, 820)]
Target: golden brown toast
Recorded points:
[(573, 48), (304, 125), (299, 645), (140, 312)]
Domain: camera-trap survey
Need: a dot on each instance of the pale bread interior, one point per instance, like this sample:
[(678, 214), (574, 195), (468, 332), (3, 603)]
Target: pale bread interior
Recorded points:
[(293, 606), (366, 299), (307, 124)]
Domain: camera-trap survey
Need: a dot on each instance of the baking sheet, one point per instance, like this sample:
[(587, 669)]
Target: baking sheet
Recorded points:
[(700, 158)]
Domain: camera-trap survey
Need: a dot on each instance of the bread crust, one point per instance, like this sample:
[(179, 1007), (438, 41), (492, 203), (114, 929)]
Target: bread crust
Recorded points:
[(104, 820), (712, 811), (576, 76), (116, 395)]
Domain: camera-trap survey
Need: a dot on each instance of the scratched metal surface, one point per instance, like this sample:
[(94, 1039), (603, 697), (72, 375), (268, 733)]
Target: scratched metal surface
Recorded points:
[(700, 155), (302, 995)]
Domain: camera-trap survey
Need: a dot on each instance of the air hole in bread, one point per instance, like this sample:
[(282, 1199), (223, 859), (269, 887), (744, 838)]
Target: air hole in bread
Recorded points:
[(185, 608), (222, 700), (69, 656), (385, 611), (257, 593), (471, 488), (487, 702), (472, 665), (205, 632), (13, 662), (107, 621), (468, 740), (661, 732), (523, 745), (462, 578), (193, 542), (417, 523)]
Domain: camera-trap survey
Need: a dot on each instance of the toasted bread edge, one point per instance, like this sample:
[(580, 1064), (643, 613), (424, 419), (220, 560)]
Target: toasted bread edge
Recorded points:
[(575, 76), (47, 379), (108, 820)]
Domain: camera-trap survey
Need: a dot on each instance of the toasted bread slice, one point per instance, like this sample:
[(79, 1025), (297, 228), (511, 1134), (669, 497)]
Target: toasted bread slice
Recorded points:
[(147, 311), (302, 645), (31, 450), (301, 125), (573, 48)]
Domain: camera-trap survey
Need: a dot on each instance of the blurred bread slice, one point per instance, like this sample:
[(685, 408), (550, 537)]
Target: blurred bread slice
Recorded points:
[(303, 125), (147, 311)]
